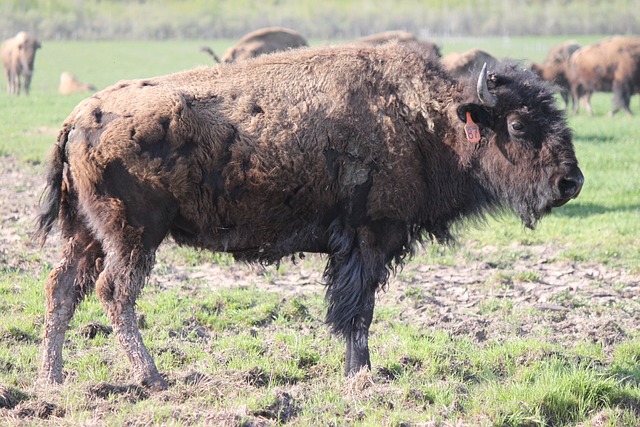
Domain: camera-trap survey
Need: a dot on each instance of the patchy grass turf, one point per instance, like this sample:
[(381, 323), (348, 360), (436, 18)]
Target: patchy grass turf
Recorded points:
[(248, 357)]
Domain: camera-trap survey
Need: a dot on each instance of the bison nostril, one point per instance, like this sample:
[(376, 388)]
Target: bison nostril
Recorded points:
[(567, 187), (571, 185)]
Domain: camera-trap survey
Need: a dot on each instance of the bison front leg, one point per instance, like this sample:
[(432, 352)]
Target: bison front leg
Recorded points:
[(355, 270), (621, 98), (14, 83), (66, 286), (27, 83), (117, 288)]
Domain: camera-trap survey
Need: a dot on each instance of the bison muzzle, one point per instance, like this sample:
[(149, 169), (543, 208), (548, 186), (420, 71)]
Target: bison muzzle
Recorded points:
[(360, 153)]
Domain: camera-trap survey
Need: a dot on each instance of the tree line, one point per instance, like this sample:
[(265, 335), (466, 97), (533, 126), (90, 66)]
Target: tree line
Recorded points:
[(330, 19)]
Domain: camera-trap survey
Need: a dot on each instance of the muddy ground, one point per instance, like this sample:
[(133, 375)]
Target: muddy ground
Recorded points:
[(575, 301)]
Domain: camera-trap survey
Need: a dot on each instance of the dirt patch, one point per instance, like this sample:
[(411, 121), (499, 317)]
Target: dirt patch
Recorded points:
[(10, 398), (38, 409), (129, 393)]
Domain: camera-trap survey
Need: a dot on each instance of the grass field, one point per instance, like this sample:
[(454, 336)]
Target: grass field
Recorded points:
[(243, 356)]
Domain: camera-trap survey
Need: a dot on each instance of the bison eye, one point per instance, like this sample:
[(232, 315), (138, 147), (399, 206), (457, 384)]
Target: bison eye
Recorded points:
[(516, 126)]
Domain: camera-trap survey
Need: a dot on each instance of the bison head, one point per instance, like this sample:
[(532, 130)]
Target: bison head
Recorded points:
[(26, 53), (525, 157)]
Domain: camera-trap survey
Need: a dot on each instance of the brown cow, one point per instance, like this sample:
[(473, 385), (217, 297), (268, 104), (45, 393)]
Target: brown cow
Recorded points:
[(467, 63), (428, 48), (356, 152), (262, 41), (18, 55), (611, 65), (555, 67), (70, 84)]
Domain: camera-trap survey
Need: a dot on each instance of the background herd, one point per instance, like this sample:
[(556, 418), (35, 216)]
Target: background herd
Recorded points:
[(609, 65)]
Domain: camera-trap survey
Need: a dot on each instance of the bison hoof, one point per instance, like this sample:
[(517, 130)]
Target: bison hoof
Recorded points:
[(49, 376), (155, 383), (47, 381)]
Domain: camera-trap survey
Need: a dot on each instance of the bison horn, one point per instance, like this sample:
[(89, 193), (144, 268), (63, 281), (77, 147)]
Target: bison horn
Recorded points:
[(486, 97)]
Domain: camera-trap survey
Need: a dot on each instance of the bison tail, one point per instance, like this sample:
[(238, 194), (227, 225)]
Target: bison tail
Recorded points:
[(51, 198)]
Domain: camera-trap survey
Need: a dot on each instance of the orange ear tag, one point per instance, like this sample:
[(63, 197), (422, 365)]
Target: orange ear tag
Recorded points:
[(471, 129)]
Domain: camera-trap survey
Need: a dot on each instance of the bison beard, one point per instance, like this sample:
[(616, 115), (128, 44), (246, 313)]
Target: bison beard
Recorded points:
[(356, 152)]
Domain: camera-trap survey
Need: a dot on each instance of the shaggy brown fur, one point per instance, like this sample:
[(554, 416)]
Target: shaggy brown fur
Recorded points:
[(262, 41), (612, 65), (468, 63), (555, 67), (70, 84), (356, 152), (18, 55)]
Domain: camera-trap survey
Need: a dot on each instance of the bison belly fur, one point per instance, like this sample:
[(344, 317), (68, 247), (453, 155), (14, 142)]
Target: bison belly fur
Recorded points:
[(356, 152)]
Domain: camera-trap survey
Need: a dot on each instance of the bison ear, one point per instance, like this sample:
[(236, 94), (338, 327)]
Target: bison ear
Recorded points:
[(479, 114)]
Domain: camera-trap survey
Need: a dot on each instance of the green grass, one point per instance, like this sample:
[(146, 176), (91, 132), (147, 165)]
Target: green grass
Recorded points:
[(281, 360), (249, 355)]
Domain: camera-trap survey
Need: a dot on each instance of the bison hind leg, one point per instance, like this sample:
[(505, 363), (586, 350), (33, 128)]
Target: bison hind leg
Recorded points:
[(66, 286), (132, 217), (117, 288), (129, 259)]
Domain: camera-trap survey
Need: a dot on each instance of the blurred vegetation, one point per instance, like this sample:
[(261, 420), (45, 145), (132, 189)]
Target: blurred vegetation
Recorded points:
[(330, 19)]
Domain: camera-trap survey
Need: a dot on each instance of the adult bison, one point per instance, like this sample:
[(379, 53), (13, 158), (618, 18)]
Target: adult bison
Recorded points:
[(428, 48), (555, 67), (387, 36), (70, 84), (18, 55), (262, 41), (611, 65), (464, 64), (356, 152)]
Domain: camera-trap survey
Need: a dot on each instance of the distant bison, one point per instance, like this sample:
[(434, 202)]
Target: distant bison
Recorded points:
[(426, 47), (356, 152), (260, 42), (263, 41), (555, 67), (388, 36), (70, 84), (467, 63), (18, 56), (611, 65)]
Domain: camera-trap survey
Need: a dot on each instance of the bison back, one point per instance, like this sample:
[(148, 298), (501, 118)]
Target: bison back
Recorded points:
[(260, 158)]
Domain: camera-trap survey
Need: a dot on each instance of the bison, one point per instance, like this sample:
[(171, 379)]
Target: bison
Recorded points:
[(387, 36), (611, 65), (18, 55), (428, 48), (468, 62), (360, 153), (555, 67), (70, 84), (263, 41)]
